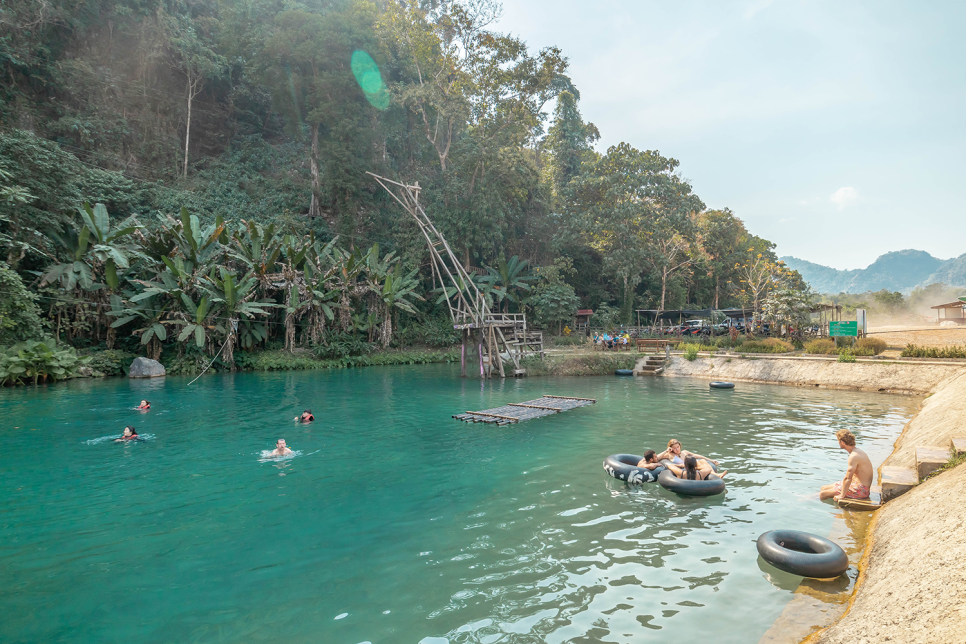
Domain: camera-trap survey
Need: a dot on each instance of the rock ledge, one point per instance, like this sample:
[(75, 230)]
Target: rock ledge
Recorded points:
[(145, 368)]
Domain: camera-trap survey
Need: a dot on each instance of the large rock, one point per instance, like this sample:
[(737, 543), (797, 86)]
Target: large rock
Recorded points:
[(145, 368)]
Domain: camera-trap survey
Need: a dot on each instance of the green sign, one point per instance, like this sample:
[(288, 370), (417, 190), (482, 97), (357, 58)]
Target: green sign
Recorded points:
[(843, 329)]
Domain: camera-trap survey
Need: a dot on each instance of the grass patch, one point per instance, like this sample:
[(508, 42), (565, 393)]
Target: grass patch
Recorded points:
[(108, 362), (955, 460), (846, 356), (281, 360), (568, 341)]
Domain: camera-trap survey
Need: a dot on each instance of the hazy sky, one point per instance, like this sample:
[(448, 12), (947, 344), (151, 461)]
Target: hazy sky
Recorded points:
[(834, 129)]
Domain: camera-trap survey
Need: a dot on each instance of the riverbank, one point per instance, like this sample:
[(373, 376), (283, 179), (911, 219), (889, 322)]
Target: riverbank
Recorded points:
[(105, 363), (911, 587), (872, 375), (579, 364)]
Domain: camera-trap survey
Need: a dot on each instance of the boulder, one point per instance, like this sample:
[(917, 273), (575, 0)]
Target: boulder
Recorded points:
[(145, 368), (84, 372)]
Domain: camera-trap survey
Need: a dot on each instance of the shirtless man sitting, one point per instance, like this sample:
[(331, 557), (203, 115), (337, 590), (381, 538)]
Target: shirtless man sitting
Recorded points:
[(858, 476), (281, 449)]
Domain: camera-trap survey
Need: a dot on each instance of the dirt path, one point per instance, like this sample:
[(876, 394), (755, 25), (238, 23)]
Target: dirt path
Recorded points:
[(926, 336)]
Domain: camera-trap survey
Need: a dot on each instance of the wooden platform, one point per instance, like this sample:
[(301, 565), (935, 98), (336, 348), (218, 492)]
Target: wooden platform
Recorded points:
[(874, 502), (528, 410)]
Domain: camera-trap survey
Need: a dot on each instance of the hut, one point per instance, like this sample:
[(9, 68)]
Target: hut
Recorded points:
[(582, 320), (951, 312)]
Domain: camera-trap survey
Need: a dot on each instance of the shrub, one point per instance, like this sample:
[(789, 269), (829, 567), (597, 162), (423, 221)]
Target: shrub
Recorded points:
[(19, 313), (690, 352), (769, 345), (336, 346), (914, 351), (34, 361), (109, 362), (875, 345), (435, 332), (846, 356), (823, 346)]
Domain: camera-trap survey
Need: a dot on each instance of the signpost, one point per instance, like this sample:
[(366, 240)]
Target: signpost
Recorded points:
[(843, 329)]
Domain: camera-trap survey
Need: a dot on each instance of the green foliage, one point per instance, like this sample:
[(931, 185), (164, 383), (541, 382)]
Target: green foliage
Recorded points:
[(37, 361), (691, 352), (110, 362), (554, 303), (338, 346), (846, 356), (875, 345), (435, 332), (19, 313), (768, 345), (914, 351)]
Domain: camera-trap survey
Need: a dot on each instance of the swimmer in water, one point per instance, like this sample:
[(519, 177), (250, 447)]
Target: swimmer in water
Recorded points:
[(281, 449), (130, 434), (144, 406), (306, 417), (676, 456)]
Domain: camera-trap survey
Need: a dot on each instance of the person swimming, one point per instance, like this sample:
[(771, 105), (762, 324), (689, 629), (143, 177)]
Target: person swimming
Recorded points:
[(281, 449), (306, 417), (145, 405), (130, 434)]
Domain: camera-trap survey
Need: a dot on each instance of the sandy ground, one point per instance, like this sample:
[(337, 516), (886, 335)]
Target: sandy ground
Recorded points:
[(927, 336), (914, 378)]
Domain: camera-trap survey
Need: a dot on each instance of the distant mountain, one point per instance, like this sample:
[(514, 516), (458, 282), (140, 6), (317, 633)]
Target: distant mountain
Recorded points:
[(952, 273), (900, 270)]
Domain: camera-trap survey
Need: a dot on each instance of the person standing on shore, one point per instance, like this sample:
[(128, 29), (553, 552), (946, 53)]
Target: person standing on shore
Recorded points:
[(858, 476)]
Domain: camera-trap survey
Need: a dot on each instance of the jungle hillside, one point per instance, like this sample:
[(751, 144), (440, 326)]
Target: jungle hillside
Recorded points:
[(188, 178)]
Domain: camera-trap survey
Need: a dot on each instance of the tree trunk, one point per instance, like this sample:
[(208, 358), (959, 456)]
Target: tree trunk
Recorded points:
[(315, 208), (194, 88)]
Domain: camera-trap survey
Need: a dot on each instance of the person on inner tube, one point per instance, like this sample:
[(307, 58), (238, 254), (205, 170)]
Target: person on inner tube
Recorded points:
[(306, 417), (145, 405), (692, 472), (649, 462), (676, 455), (130, 434)]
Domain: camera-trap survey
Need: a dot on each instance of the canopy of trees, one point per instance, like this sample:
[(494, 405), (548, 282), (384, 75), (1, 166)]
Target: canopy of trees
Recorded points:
[(179, 116)]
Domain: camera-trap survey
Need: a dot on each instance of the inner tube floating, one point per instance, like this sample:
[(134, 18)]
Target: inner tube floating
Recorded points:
[(718, 384), (687, 487), (624, 467), (624, 372), (802, 553)]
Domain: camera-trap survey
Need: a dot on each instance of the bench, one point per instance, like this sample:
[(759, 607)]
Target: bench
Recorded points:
[(643, 344)]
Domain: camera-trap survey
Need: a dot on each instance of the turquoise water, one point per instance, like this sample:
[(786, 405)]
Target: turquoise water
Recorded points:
[(396, 523)]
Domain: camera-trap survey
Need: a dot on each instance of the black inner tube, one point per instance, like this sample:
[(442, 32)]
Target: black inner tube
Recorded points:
[(687, 487), (624, 468), (802, 553)]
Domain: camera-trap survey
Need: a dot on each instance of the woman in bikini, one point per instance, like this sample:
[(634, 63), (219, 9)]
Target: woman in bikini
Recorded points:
[(691, 471), (676, 455)]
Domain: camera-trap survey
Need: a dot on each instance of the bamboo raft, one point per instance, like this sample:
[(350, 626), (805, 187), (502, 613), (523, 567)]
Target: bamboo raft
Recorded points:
[(528, 410)]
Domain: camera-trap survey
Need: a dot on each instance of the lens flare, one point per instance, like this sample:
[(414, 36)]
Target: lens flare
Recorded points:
[(366, 71)]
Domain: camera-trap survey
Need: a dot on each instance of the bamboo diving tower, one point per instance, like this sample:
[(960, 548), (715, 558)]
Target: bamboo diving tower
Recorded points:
[(493, 337)]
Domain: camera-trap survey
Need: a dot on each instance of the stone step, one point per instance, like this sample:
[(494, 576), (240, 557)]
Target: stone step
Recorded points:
[(896, 481), (959, 445), (874, 502), (930, 459)]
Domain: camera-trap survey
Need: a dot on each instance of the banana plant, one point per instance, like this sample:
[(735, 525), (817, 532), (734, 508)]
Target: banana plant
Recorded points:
[(507, 279), (150, 313), (195, 321), (257, 247), (233, 299), (91, 246), (398, 292)]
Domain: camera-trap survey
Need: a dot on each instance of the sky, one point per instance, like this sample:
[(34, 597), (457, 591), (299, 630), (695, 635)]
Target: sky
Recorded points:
[(834, 129)]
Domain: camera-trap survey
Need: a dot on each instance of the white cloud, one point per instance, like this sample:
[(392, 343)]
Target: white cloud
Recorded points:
[(844, 196)]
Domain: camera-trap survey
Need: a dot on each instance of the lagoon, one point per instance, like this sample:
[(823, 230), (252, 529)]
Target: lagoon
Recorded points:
[(396, 523)]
